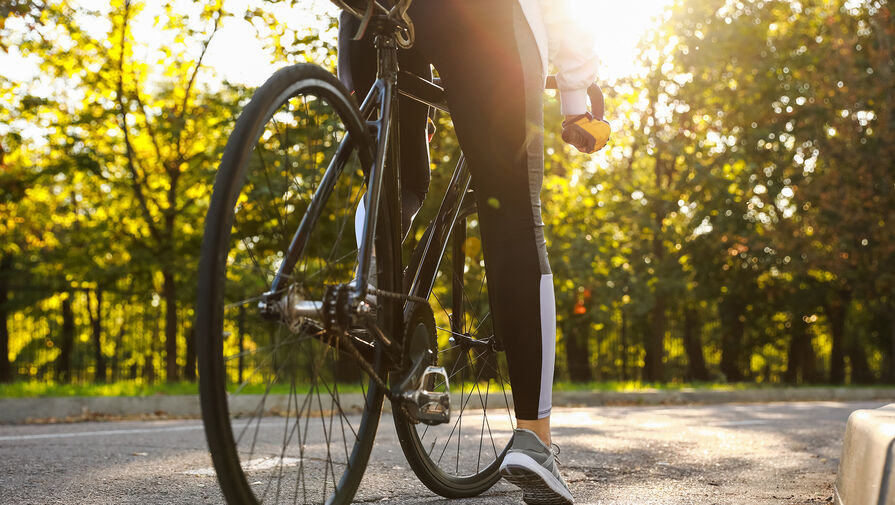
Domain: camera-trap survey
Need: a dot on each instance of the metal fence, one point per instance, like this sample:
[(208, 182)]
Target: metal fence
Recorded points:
[(74, 336), (84, 336)]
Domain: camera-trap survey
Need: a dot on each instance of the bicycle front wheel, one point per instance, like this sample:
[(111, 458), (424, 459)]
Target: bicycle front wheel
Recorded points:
[(462, 458), (289, 414)]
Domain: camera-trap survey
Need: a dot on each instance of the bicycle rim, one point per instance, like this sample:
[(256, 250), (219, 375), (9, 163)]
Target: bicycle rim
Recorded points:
[(461, 458), (290, 417)]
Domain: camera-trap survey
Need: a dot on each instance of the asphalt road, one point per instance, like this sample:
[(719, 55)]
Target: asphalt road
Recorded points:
[(722, 454)]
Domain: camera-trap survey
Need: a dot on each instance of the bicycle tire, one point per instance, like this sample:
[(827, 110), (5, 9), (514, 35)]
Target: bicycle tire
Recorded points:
[(239, 231), (430, 468)]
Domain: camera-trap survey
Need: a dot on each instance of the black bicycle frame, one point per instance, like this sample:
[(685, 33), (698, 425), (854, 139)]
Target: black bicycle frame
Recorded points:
[(383, 98), (383, 95)]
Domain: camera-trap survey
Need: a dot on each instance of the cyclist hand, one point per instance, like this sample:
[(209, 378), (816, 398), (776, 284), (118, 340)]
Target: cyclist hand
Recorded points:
[(586, 133)]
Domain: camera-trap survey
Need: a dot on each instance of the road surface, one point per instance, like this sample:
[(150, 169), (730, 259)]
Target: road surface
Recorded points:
[(781, 453)]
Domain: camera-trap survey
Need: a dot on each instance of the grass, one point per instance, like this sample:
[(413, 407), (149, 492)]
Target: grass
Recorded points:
[(635, 386), (51, 389), (46, 389), (626, 386)]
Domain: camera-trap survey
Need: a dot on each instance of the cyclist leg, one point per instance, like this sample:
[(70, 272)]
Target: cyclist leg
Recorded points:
[(492, 71), (357, 70)]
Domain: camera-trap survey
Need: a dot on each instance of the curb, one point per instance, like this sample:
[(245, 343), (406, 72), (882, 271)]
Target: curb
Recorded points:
[(867, 466), (70, 409)]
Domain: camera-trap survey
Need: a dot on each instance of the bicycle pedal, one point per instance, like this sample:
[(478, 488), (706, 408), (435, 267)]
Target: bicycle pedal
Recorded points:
[(427, 406)]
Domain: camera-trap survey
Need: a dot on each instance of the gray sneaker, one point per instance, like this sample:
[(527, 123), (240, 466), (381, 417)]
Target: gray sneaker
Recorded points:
[(531, 465)]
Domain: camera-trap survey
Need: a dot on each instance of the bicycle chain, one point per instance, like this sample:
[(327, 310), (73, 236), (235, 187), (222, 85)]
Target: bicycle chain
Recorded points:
[(343, 337), (347, 344), (363, 362), (395, 296)]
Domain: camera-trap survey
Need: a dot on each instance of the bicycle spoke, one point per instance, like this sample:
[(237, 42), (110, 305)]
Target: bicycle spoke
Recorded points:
[(279, 463), (268, 360), (453, 448), (475, 331), (462, 409), (345, 220), (334, 395), (266, 173), (300, 474), (478, 461), (475, 315), (506, 399)]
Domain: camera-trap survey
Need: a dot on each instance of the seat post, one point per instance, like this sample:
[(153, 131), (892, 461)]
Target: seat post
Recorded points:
[(387, 56)]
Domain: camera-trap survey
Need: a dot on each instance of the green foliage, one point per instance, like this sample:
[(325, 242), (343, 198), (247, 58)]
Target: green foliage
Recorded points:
[(738, 227)]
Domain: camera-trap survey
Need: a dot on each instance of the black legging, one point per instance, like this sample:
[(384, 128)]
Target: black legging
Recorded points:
[(491, 68)]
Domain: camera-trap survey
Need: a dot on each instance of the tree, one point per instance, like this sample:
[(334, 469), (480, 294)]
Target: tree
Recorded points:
[(145, 134)]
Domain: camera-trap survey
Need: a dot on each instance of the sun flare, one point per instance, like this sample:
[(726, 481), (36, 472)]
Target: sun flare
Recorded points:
[(618, 27)]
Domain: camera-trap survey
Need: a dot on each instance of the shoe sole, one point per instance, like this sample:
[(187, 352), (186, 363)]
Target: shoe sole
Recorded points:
[(539, 486)]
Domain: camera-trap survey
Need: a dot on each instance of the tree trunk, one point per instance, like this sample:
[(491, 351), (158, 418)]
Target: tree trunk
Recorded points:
[(148, 364), (810, 371), (170, 294), (5, 275), (732, 333), (793, 359), (148, 369), (63, 362), (653, 370), (624, 337), (890, 373), (655, 343), (116, 366), (860, 367), (693, 346), (836, 311), (801, 364), (240, 339), (577, 354), (189, 370), (458, 304), (96, 325)]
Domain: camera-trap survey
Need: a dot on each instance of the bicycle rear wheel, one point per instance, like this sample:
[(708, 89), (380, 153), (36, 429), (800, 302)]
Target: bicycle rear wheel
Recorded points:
[(462, 458), (289, 415)]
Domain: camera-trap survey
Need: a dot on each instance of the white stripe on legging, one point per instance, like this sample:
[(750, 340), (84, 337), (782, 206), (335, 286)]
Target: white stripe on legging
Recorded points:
[(548, 345)]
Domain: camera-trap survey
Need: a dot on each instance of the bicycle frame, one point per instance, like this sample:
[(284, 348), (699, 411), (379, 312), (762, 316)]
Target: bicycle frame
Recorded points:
[(384, 95), (389, 83), (380, 167)]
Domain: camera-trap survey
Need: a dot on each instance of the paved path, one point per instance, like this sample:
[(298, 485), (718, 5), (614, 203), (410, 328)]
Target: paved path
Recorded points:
[(721, 454)]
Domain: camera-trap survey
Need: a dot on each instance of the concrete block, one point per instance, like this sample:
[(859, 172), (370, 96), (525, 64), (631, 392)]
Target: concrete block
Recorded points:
[(867, 468)]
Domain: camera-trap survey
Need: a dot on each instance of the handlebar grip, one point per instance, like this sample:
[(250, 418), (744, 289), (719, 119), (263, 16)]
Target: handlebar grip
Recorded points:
[(597, 103)]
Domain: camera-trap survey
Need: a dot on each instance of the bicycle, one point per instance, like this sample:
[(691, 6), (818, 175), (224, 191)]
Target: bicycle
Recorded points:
[(328, 322)]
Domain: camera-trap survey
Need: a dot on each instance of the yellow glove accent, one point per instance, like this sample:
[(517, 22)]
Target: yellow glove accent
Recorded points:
[(587, 134)]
